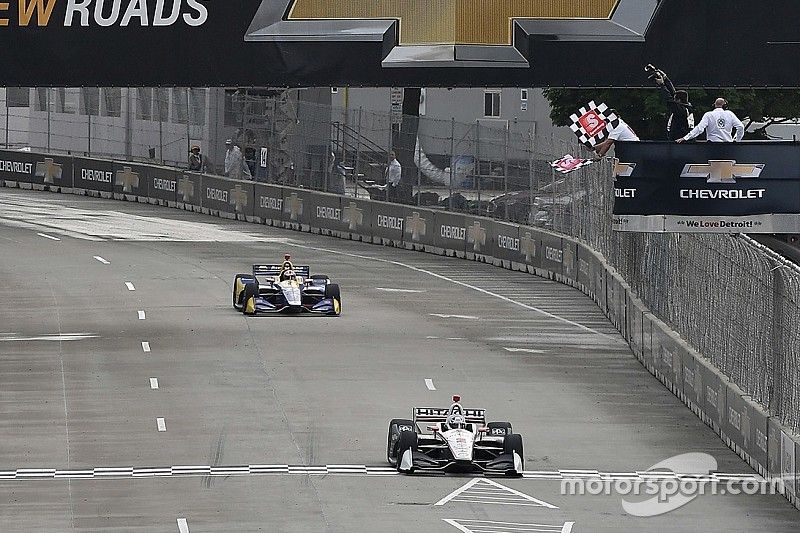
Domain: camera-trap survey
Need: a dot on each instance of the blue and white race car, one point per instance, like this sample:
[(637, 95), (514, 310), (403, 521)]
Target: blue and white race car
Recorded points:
[(285, 288)]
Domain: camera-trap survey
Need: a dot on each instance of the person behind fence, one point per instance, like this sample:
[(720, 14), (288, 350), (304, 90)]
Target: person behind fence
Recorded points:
[(394, 173), (196, 161), (622, 132), (718, 125), (681, 117), (235, 165)]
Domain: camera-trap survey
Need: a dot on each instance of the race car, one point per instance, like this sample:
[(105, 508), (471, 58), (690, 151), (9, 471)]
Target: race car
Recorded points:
[(460, 440), (285, 288)]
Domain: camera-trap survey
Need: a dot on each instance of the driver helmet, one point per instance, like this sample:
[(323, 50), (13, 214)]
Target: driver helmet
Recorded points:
[(457, 422)]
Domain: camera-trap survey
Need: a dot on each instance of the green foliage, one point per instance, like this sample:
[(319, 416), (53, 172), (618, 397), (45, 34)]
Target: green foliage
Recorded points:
[(645, 111)]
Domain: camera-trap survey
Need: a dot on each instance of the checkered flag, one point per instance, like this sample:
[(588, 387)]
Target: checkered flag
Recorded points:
[(593, 123), (568, 164)]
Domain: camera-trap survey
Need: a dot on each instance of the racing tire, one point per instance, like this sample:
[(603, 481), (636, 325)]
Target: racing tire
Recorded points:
[(513, 444), (238, 290), (249, 299), (396, 426), (332, 291), (496, 427), (407, 441)]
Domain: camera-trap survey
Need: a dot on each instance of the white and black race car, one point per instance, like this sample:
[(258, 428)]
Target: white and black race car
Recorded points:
[(460, 440), (285, 288)]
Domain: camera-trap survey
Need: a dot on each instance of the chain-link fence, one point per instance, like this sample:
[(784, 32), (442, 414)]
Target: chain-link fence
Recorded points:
[(735, 301)]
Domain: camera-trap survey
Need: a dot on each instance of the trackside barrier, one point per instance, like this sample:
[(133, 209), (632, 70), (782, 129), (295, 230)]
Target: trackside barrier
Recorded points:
[(761, 440)]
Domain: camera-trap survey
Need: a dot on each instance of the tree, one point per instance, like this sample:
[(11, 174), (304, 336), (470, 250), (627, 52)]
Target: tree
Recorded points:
[(646, 113)]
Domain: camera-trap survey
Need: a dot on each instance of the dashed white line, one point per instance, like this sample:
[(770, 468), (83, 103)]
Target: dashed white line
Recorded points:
[(153, 383), (388, 289), (98, 258), (130, 286), (46, 236), (524, 350), (183, 527), (429, 384), (145, 346), (161, 424), (142, 316), (462, 317)]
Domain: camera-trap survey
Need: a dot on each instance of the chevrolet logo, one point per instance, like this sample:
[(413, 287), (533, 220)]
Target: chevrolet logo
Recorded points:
[(416, 226), (186, 189), (443, 32), (293, 206), (353, 216), (49, 170), (238, 198), (722, 171), (527, 247), (476, 236), (127, 178), (623, 170)]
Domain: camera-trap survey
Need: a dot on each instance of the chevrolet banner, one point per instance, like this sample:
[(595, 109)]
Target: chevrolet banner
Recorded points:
[(399, 43), (748, 187)]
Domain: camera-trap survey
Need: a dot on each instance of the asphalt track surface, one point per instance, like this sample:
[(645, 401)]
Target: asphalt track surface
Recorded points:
[(77, 386)]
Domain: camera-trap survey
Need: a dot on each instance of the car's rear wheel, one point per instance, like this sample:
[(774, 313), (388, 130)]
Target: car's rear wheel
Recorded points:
[(513, 444), (332, 291), (249, 298), (396, 426), (406, 442), (238, 289), (499, 429)]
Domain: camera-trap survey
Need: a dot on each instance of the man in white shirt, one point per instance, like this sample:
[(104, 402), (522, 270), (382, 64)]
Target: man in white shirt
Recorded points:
[(393, 174), (718, 125), (622, 132)]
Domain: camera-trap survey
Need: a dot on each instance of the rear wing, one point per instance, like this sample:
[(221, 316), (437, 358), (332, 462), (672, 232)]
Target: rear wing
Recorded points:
[(273, 270), (439, 414)]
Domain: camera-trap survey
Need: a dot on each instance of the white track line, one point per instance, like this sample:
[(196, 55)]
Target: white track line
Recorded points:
[(46, 236), (145, 346), (429, 384), (161, 424), (130, 286), (523, 350), (388, 289), (567, 527), (461, 283), (142, 316), (183, 527), (97, 257), (154, 383)]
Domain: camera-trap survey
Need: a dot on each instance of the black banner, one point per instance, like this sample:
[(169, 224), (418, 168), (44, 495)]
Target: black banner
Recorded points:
[(93, 174), (50, 171), (312, 43), (268, 203), (748, 187), (130, 182), (505, 242), (418, 229), (450, 232), (388, 222), (189, 193), (162, 182), (224, 196)]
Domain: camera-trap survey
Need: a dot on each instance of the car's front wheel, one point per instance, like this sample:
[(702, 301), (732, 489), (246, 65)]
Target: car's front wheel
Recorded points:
[(512, 444), (396, 427), (239, 283), (406, 446), (249, 298), (332, 291)]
